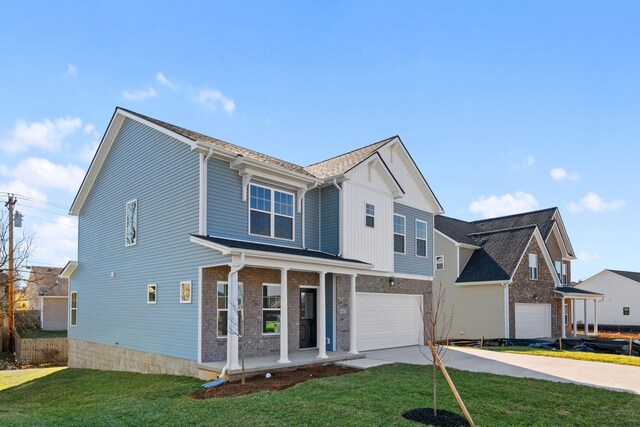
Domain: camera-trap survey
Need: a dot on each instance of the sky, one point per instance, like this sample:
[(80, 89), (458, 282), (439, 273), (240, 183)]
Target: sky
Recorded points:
[(505, 106)]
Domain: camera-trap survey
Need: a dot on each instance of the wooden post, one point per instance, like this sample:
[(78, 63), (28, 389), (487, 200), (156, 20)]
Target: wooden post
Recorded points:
[(560, 344), (630, 346), (481, 342), (451, 385)]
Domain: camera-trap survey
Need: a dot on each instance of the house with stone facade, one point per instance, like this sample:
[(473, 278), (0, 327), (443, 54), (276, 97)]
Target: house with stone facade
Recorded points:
[(194, 252), (507, 276)]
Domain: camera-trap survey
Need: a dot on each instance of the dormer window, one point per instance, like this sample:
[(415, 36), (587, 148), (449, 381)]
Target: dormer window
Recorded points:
[(270, 212)]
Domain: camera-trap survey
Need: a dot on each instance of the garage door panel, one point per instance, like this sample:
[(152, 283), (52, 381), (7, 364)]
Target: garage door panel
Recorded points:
[(533, 320), (388, 320)]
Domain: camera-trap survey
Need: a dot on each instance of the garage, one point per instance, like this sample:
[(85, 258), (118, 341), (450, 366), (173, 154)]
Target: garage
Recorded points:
[(388, 320), (533, 320)]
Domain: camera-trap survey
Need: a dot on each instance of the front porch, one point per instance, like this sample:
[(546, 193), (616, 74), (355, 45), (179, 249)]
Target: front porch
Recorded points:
[(573, 295)]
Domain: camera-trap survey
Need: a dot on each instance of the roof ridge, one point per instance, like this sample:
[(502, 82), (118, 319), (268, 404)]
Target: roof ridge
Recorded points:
[(386, 140), (513, 215), (504, 229)]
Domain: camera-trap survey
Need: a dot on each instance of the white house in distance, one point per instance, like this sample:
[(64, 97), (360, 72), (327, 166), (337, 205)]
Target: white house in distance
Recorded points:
[(620, 306)]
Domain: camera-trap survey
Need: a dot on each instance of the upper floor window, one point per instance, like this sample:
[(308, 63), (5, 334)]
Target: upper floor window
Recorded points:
[(270, 213), (399, 233), (564, 273), (421, 238), (369, 215), (533, 266), (625, 311), (440, 262), (131, 227), (152, 294)]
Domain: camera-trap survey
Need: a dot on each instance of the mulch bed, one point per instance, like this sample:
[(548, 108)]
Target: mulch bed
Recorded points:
[(444, 418), (279, 381)]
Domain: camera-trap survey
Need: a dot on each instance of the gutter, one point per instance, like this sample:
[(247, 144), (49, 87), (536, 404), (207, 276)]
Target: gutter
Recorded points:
[(234, 270)]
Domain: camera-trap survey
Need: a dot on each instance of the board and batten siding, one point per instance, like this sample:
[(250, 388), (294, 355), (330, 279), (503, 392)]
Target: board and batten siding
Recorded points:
[(330, 220), (408, 262), (162, 174), (228, 215), (312, 219)]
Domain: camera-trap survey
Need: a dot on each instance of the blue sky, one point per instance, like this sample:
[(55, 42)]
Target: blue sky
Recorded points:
[(505, 107)]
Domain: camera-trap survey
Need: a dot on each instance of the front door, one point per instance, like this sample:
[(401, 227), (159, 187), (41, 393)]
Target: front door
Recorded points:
[(308, 318)]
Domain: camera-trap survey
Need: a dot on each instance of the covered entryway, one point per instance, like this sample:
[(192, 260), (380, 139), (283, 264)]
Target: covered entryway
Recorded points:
[(388, 320), (533, 320)]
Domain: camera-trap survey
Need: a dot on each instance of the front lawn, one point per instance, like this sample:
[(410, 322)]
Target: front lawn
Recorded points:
[(375, 397), (575, 355), (15, 377)]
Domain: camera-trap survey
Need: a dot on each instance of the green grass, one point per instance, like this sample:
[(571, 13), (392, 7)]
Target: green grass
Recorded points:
[(575, 355), (13, 378), (37, 333), (375, 397)]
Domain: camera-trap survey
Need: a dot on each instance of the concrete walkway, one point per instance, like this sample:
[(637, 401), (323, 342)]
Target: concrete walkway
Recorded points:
[(594, 374)]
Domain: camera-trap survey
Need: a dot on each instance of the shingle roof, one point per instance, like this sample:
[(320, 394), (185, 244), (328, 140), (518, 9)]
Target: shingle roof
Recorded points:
[(497, 260), (46, 281), (241, 244), (568, 290), (345, 162), (628, 274), (457, 229), (542, 218)]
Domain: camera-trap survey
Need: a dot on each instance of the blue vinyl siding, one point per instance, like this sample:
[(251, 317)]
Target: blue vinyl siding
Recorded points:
[(409, 263), (330, 220), (312, 219), (162, 174), (228, 215), (330, 310)]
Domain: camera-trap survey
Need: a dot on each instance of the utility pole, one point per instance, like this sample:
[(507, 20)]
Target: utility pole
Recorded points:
[(10, 204)]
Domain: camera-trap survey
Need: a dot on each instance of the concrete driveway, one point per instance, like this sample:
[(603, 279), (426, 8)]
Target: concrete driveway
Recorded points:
[(594, 374)]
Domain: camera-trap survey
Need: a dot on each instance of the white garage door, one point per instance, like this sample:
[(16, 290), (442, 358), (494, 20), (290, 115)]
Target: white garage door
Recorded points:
[(388, 320), (533, 320)]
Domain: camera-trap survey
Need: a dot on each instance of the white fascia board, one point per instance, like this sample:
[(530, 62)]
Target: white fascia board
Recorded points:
[(578, 296), (487, 283), (438, 209), (563, 231), (555, 231), (273, 173), (68, 269), (457, 244), (224, 250), (301, 260), (545, 253)]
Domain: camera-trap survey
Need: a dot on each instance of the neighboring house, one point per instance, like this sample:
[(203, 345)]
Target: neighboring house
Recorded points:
[(48, 293), (506, 276), (176, 229), (620, 305)]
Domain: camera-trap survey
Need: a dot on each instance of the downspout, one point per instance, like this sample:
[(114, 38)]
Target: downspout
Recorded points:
[(234, 270), (203, 193), (506, 310), (335, 184)]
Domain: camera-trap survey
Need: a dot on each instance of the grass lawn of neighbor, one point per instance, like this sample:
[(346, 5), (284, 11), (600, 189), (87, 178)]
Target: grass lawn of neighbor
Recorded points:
[(576, 355), (38, 333), (376, 397)]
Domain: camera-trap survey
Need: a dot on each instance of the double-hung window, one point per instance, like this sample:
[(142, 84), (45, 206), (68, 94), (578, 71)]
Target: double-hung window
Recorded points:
[(440, 262), (369, 215), (223, 308), (74, 309), (271, 303), (625, 311), (421, 238), (564, 273), (271, 213), (399, 234), (533, 266), (131, 223)]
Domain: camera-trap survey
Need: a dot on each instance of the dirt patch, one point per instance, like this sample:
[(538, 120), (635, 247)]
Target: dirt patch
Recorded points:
[(279, 381), (444, 418)]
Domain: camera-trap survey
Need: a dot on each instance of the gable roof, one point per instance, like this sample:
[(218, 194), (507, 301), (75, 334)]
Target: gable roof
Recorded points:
[(628, 274), (45, 281), (499, 256), (542, 218), (456, 229)]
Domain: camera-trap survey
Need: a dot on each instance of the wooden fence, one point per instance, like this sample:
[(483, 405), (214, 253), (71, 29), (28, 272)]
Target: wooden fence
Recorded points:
[(34, 351)]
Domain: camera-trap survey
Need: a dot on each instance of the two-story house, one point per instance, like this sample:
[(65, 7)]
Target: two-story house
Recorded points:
[(190, 248), (507, 276)]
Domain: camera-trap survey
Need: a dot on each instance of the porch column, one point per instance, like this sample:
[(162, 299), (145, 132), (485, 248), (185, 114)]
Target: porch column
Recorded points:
[(353, 349), (322, 317), (575, 317), (564, 315), (595, 318), (233, 326), (284, 318), (586, 324)]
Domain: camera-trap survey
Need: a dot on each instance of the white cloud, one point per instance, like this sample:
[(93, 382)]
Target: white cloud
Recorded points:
[(46, 134), (530, 160), (212, 98), (55, 242), (140, 95), (593, 202), (89, 129), (560, 174), (72, 71), (163, 80), (587, 256), (36, 172), (503, 205), (19, 187), (88, 151)]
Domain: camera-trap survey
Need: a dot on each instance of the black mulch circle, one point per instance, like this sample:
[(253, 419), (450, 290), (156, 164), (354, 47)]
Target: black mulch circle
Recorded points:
[(444, 418)]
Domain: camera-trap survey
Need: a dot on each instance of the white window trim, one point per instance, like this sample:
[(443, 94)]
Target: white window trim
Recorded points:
[(533, 268), (426, 242), (628, 313), (241, 292), (272, 213), (155, 286), (126, 217), (404, 247), (439, 257), (71, 308), (185, 282), (366, 215), (564, 276), (279, 310)]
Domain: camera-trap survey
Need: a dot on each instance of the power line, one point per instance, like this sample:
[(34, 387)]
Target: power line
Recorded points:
[(44, 210), (33, 199)]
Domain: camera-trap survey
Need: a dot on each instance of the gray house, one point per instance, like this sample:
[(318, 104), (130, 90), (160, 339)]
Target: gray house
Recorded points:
[(186, 242)]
